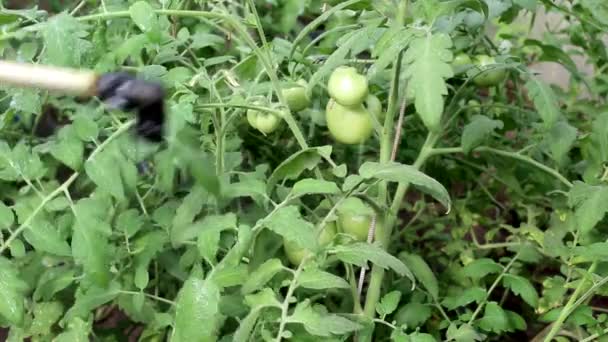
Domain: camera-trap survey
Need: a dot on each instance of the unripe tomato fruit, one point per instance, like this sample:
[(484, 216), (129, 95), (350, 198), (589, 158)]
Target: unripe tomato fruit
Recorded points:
[(347, 87), (348, 125), (263, 121), (460, 62), (355, 218), (374, 106), (488, 78), (296, 96), (295, 254)]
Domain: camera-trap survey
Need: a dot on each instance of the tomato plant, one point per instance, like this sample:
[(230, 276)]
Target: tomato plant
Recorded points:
[(473, 150)]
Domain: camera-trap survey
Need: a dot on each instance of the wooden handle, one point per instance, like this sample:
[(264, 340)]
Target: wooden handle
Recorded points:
[(64, 80)]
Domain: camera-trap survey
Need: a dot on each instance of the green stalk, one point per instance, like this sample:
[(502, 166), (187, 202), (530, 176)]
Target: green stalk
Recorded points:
[(570, 306), (386, 145), (377, 275), (513, 155)]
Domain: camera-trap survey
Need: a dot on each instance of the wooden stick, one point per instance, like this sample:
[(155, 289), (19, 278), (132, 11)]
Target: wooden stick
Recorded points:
[(63, 80)]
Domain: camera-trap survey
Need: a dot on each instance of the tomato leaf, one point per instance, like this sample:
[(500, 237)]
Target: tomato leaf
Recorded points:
[(395, 172), (12, 292), (258, 278), (360, 253), (196, 313), (477, 130), (297, 163), (545, 101), (481, 267), (319, 280), (311, 186), (288, 223), (321, 325), (427, 59), (388, 303), (590, 203), (521, 287), (423, 273)]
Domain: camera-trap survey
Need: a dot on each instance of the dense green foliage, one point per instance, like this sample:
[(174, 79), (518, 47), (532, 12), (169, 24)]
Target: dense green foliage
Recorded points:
[(471, 192)]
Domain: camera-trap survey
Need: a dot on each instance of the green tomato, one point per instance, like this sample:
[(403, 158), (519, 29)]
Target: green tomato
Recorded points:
[(356, 225), (355, 218), (348, 125), (295, 254), (461, 62), (488, 78), (263, 121), (374, 106), (347, 87), (296, 96)]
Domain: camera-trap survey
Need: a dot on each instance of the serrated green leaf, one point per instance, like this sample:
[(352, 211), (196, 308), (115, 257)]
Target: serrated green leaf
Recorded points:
[(196, 312), (103, 172), (545, 101), (428, 59), (91, 250), (64, 45), (7, 218), (77, 331), (481, 267), (319, 324), (246, 325), (388, 303), (180, 235), (495, 319), (598, 9), (143, 15), (464, 333), (394, 40), (208, 244), (12, 293), (422, 272), (590, 203), (293, 166), (395, 172), (288, 223), (360, 253), (45, 237), (46, 314), (88, 300), (319, 280), (311, 186), (477, 130), (258, 278), (413, 314), (521, 287), (468, 296), (85, 127), (560, 139), (68, 149), (263, 299)]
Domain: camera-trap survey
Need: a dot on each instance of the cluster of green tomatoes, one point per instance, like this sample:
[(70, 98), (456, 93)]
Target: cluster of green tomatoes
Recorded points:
[(348, 113)]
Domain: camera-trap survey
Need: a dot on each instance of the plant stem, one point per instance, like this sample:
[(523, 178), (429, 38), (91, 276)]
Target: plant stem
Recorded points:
[(513, 155), (377, 275), (285, 306), (570, 305), (494, 284)]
